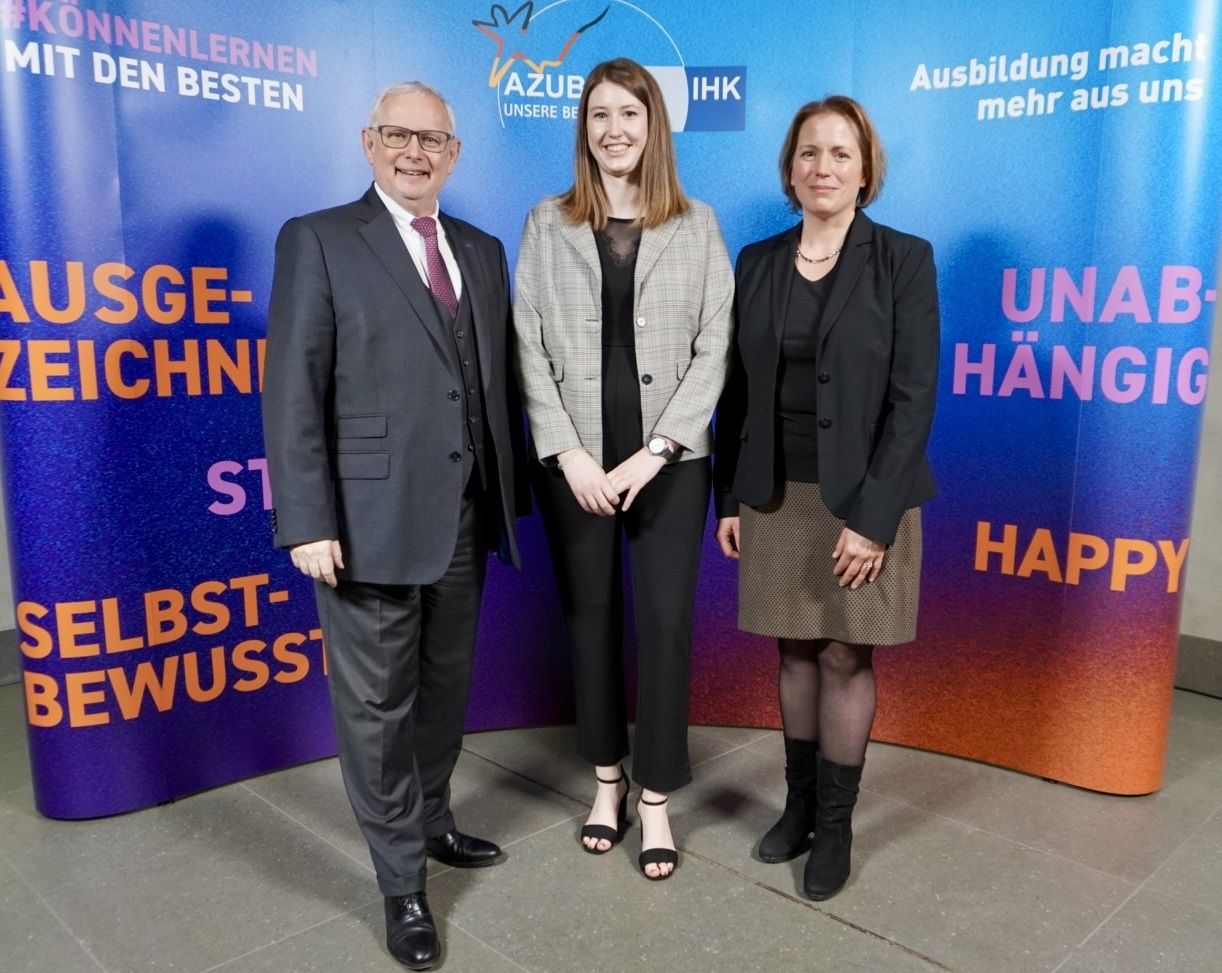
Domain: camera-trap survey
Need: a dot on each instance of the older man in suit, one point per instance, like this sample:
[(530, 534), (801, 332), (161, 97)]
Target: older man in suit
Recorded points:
[(392, 445)]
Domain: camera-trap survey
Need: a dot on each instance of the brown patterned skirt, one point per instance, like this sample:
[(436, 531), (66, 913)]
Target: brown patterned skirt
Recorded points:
[(785, 583)]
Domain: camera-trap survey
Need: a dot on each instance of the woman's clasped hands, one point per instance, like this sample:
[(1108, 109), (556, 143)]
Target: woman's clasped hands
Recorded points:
[(599, 492)]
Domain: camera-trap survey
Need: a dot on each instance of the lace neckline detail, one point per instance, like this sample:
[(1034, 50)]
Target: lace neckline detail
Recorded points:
[(622, 239)]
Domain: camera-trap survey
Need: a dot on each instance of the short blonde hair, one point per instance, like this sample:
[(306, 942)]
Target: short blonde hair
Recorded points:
[(873, 159)]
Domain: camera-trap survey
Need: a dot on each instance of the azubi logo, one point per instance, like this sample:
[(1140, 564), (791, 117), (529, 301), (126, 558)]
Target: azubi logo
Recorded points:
[(541, 58)]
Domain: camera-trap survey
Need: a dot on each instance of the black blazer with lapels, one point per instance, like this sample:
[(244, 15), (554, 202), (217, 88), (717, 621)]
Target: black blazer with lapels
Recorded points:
[(877, 381)]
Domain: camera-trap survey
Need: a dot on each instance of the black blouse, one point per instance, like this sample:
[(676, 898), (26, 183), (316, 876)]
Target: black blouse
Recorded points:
[(797, 429), (621, 398)]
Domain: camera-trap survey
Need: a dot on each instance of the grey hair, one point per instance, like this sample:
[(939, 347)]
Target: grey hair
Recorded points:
[(414, 89)]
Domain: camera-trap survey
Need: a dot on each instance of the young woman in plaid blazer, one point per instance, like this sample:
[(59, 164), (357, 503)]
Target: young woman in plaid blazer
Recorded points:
[(622, 312)]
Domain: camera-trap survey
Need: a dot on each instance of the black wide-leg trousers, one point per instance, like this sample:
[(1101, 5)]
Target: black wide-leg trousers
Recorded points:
[(664, 528), (399, 661)]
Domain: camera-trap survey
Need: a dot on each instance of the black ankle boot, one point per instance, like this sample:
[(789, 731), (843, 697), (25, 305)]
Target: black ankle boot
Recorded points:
[(789, 837), (827, 868)]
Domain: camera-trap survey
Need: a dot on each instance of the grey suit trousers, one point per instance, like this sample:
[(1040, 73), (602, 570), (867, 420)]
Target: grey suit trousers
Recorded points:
[(399, 663)]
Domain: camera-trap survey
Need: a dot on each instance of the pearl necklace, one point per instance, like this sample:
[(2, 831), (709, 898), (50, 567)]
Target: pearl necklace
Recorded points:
[(819, 260)]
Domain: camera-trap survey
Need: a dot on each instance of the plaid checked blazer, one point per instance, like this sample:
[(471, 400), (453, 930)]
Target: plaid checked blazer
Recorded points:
[(684, 291)]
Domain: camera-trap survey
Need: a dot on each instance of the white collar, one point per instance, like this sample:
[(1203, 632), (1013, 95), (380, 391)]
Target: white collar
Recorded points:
[(401, 216)]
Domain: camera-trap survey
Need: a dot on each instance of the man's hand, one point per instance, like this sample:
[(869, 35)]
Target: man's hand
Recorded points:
[(589, 483), (634, 473), (318, 559)]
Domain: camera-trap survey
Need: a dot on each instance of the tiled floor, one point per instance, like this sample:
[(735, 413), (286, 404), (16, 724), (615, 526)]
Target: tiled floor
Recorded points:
[(959, 866)]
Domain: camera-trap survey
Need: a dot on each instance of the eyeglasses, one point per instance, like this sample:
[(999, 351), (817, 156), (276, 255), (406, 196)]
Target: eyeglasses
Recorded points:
[(394, 137)]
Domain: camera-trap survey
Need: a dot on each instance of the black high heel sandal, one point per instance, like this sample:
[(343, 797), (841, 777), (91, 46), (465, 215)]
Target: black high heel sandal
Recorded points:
[(656, 856), (602, 832)]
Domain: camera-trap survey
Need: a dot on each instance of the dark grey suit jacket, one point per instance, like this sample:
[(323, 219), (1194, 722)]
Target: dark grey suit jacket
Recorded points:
[(362, 426), (877, 383)]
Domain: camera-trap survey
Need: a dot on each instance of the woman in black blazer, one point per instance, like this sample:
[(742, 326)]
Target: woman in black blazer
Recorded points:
[(820, 463)]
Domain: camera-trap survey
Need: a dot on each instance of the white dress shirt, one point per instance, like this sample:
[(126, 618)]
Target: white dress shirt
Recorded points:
[(415, 242)]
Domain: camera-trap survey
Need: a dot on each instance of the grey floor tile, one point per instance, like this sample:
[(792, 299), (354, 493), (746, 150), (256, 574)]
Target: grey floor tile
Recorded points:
[(707, 743), (1126, 836), (731, 804), (553, 908), (488, 801), (34, 939), (355, 943), (502, 805), (1194, 871), (1194, 760), (134, 888), (772, 743), (958, 866), (971, 899), (737, 735), (1152, 934), (966, 898), (1197, 664), (548, 754), (313, 794), (1196, 708), (14, 751)]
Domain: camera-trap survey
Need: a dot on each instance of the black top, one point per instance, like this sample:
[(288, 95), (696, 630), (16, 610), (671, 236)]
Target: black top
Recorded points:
[(621, 399), (797, 430)]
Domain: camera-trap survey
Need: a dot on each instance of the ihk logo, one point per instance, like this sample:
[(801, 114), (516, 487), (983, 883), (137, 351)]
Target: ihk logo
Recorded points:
[(541, 72)]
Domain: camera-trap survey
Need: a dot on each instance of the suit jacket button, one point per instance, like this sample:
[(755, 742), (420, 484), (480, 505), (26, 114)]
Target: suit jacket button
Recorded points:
[(646, 379), (825, 423), (824, 378), (456, 457), (453, 394)]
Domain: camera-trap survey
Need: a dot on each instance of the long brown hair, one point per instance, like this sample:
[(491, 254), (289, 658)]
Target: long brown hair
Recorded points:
[(661, 195)]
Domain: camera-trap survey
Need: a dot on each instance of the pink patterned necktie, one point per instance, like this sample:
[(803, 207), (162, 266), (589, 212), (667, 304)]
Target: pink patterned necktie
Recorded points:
[(439, 278)]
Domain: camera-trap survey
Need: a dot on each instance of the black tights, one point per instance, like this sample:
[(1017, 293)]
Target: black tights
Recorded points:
[(827, 694)]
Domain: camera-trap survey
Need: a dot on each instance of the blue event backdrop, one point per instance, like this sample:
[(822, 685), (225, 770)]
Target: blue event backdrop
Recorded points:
[(1063, 159)]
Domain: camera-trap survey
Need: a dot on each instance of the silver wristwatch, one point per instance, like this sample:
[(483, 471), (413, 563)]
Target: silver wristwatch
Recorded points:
[(660, 446)]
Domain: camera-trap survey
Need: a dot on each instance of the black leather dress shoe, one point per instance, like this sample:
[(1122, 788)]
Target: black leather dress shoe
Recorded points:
[(411, 935), (463, 851)]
